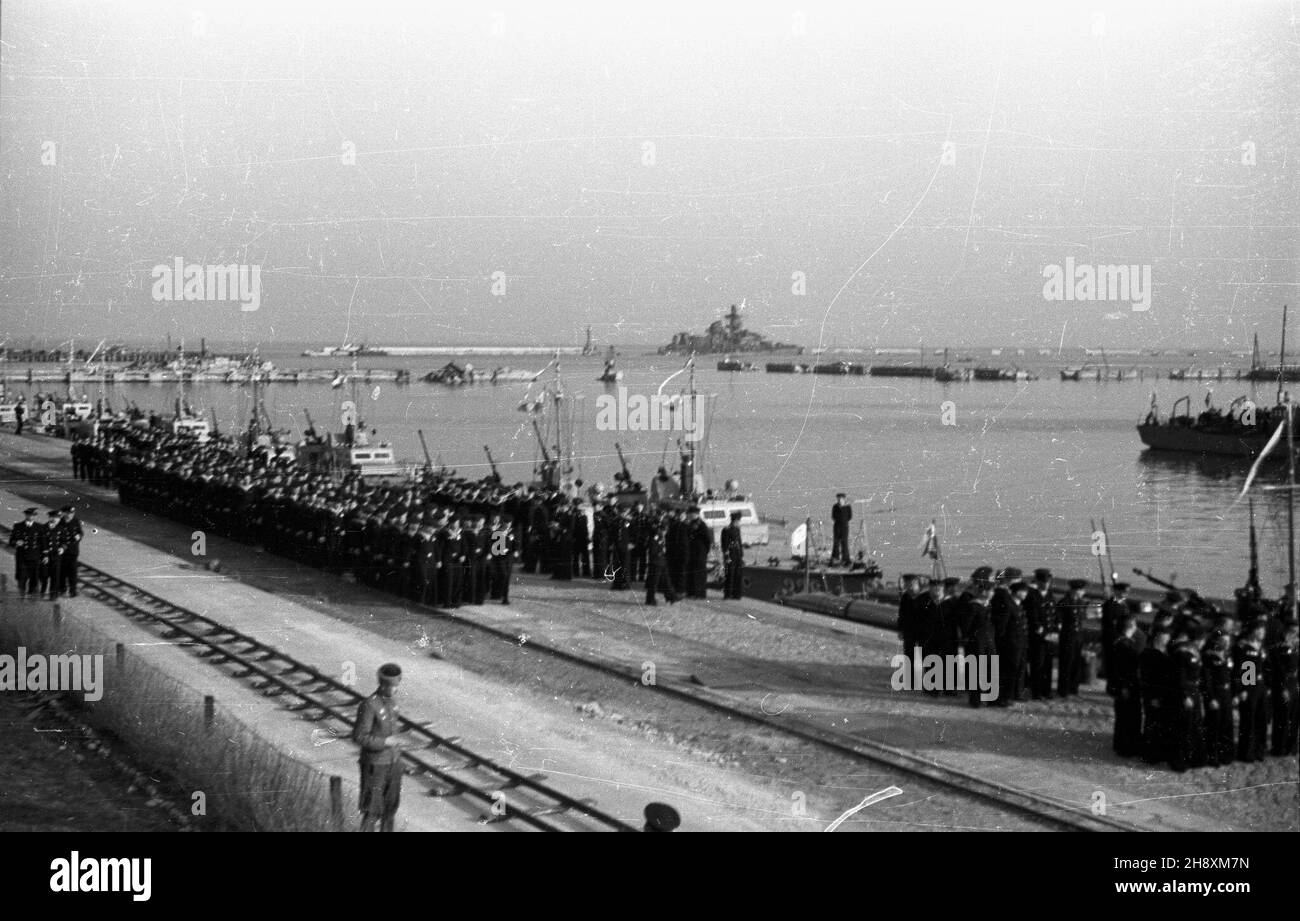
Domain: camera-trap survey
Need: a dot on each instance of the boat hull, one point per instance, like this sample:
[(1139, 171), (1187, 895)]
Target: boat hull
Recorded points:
[(1188, 440)]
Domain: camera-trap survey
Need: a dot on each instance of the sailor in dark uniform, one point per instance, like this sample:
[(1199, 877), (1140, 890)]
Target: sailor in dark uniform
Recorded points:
[(1071, 613), (946, 639), (733, 559), (51, 567), (907, 602), (1011, 634), (377, 732), (1250, 684), (27, 537), (502, 556), (1187, 732), (1283, 661), (656, 580), (1216, 699), (978, 635), (927, 623), (678, 551), (1114, 607), (841, 515), (1040, 618), (699, 541), (1124, 684), (1156, 673)]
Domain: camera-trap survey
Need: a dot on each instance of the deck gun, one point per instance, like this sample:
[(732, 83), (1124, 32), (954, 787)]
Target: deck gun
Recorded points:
[(1199, 604), (496, 475)]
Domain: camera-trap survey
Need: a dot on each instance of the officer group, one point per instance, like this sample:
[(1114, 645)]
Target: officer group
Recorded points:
[(46, 552), (1191, 685)]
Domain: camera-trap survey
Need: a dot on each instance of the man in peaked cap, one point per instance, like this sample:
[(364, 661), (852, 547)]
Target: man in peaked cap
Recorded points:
[(908, 601), (1114, 607), (733, 559), (1071, 613), (378, 733), (27, 537), (841, 515), (51, 571), (1040, 619)]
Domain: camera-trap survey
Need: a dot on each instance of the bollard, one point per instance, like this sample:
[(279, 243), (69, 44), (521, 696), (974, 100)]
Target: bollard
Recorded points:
[(336, 800), (121, 656), (209, 710)]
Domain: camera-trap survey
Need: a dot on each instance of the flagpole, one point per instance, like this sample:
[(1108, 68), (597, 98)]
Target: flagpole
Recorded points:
[(1290, 500)]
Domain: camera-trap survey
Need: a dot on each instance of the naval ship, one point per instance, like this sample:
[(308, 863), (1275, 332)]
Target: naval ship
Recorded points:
[(725, 336)]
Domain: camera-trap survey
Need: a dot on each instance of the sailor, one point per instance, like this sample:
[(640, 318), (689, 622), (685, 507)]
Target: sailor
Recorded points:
[(377, 732), (1155, 671), (947, 637), (1071, 612), (1040, 617), (1114, 607), (1012, 639), (1282, 666), (477, 545), (581, 543), (1187, 728), (1250, 685), (927, 623), (733, 559), (20, 414), (51, 571), (678, 551), (27, 537), (656, 580), (639, 528), (978, 635), (502, 557), (907, 603), (1124, 684), (1216, 698), (981, 575), (699, 541), (841, 515)]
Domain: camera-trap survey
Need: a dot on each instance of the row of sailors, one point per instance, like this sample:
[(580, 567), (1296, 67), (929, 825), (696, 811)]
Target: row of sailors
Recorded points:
[(442, 541), (1182, 694), (46, 552)]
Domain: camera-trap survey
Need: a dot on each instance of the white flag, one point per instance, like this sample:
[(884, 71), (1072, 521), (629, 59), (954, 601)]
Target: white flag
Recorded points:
[(1254, 469), (929, 541)]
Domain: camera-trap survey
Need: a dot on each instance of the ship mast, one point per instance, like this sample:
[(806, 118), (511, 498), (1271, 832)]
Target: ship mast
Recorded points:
[(1281, 361)]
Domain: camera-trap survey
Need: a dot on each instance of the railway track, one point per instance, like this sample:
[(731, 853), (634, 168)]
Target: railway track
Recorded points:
[(444, 766), (299, 679)]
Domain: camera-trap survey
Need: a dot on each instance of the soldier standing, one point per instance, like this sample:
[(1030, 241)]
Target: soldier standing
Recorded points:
[(841, 515), (907, 603), (502, 557), (927, 622), (381, 752), (699, 541), (51, 570), (978, 635), (678, 552), (1012, 638), (656, 580), (1216, 698), (1040, 618), (1115, 607), (1124, 684), (27, 539), (1187, 736), (1071, 612), (1250, 684), (1154, 668), (1282, 666), (733, 559), (20, 413)]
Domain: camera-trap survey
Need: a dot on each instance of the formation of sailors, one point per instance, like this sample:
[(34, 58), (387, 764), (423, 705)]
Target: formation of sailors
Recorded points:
[(440, 539), (46, 552), (1196, 686)]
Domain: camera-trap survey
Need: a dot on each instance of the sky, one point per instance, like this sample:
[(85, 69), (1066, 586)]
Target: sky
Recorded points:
[(857, 174)]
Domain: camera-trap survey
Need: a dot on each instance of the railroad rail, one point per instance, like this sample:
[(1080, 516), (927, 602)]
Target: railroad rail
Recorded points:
[(446, 766)]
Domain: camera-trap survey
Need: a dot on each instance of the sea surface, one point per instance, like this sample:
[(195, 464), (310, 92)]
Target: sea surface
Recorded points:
[(1019, 478)]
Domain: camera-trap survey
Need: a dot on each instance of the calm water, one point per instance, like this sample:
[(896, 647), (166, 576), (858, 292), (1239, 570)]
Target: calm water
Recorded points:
[(1014, 482)]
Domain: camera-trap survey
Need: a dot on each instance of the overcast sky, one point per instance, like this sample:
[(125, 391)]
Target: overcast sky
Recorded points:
[(423, 173)]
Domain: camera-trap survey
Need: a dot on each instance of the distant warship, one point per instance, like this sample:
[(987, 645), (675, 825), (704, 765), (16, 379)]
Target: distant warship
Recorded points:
[(725, 336)]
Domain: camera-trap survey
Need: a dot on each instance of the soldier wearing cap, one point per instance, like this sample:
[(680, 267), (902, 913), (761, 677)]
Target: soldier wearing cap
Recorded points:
[(1156, 671), (1011, 635), (946, 638), (51, 572), (1187, 719), (660, 817), (1115, 607), (699, 541), (1040, 619), (27, 537), (1283, 662), (1071, 613), (1216, 697), (977, 633), (1124, 684), (377, 732), (733, 559), (927, 623)]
